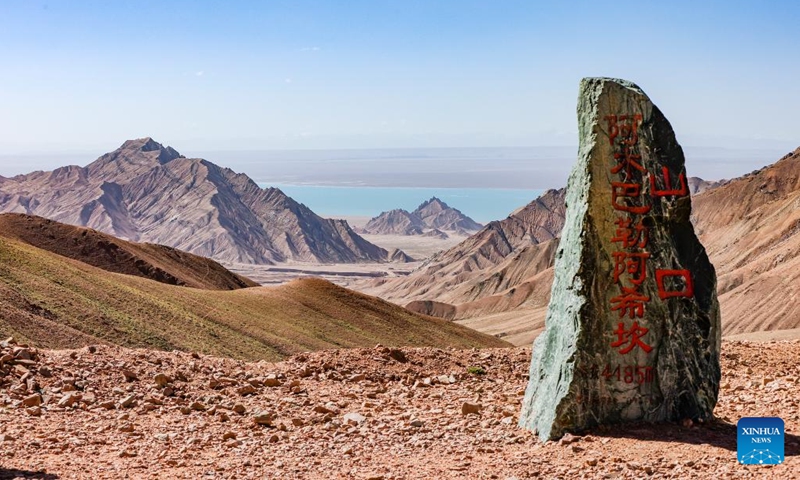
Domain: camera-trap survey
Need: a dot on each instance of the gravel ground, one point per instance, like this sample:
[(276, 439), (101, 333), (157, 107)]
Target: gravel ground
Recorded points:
[(109, 412)]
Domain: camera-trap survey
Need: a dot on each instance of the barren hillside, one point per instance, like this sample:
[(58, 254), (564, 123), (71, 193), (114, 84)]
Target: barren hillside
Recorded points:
[(156, 262), (751, 229), (57, 302)]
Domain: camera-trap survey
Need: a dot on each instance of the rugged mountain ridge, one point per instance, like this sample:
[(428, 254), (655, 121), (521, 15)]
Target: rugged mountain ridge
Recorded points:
[(432, 215), (144, 191), (500, 284), (500, 256)]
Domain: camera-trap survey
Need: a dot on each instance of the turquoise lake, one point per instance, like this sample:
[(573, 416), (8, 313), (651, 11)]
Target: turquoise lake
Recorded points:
[(481, 204)]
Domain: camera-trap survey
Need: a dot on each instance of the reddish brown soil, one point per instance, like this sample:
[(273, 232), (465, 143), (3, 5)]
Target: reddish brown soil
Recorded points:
[(411, 423)]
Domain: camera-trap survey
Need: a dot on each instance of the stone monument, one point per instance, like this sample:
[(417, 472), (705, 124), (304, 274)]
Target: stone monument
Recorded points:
[(632, 331)]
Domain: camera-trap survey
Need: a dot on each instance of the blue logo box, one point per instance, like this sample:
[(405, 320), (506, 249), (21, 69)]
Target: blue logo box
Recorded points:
[(759, 440)]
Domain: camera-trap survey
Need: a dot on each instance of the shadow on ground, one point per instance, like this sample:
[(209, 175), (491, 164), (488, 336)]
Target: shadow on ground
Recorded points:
[(717, 433), (7, 474)]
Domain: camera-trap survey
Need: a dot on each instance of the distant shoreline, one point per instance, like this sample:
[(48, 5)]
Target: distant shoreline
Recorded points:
[(358, 203)]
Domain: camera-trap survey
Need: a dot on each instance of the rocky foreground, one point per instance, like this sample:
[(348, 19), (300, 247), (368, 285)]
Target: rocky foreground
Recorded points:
[(110, 412)]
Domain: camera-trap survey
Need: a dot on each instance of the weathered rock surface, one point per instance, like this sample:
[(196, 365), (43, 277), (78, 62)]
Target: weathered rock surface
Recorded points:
[(146, 192), (633, 328)]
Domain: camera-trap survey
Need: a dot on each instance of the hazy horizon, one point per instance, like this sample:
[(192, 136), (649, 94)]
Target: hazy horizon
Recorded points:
[(441, 167)]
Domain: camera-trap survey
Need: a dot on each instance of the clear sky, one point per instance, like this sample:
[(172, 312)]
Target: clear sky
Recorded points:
[(85, 76)]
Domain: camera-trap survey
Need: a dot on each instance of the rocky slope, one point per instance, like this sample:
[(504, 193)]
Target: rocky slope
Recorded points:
[(57, 302), (147, 260), (106, 412), (430, 218), (751, 229), (146, 192)]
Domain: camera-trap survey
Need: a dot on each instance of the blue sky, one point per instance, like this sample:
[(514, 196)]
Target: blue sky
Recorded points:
[(84, 76)]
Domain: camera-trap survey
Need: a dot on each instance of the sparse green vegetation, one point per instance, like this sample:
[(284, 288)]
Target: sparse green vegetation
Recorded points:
[(476, 370)]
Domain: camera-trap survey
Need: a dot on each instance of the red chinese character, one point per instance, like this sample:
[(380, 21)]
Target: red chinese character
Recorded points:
[(630, 236), (627, 160), (630, 128), (627, 190), (668, 190), (633, 336), (629, 301), (687, 292), (632, 263)]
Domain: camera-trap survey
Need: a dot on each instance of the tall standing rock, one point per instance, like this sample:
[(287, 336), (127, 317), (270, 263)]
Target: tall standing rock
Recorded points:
[(632, 331)]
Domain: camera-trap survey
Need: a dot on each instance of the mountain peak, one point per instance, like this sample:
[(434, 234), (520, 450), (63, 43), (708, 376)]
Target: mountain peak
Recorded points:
[(132, 158), (434, 201), (147, 144), (433, 214)]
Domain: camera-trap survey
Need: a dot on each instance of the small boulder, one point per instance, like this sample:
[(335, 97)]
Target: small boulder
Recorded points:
[(161, 380), (246, 390), (34, 411), (354, 418), (568, 438), (471, 408), (32, 400), (127, 402), (398, 355), (272, 381), (69, 399), (264, 418)]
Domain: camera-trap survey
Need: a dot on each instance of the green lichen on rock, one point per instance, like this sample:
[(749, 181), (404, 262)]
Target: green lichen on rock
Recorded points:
[(571, 386)]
